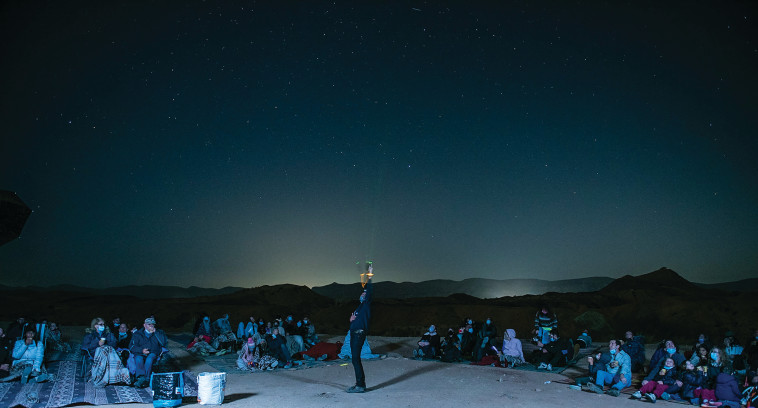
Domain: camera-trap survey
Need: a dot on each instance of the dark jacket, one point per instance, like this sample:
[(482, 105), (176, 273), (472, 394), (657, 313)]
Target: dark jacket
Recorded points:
[(668, 377), (123, 343), (690, 381), (91, 340), (658, 359), (141, 340), (363, 312), (562, 346), (636, 351), (727, 388)]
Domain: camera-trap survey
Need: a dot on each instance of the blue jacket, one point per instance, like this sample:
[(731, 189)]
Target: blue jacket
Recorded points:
[(363, 312), (727, 388), (32, 353)]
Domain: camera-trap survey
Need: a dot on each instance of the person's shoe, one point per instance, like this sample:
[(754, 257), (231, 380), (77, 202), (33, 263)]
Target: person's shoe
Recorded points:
[(356, 389), (308, 358), (323, 357), (613, 392), (288, 365), (650, 397), (665, 396), (41, 378), (592, 387), (274, 364), (637, 395), (549, 367), (542, 366)]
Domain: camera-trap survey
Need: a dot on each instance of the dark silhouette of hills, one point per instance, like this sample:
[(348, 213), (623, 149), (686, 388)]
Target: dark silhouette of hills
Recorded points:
[(481, 288), (140, 291)]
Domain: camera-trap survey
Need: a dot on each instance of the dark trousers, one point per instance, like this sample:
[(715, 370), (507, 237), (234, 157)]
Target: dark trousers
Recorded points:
[(356, 344)]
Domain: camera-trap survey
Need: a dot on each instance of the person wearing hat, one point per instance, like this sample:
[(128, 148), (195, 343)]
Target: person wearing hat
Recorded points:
[(146, 348), (359, 320)]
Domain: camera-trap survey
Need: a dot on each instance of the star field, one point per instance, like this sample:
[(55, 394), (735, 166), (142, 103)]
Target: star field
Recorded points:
[(238, 143)]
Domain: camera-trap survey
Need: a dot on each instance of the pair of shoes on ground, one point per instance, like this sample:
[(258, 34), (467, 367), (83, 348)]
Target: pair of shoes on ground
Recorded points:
[(544, 366), (356, 389), (592, 387), (710, 404)]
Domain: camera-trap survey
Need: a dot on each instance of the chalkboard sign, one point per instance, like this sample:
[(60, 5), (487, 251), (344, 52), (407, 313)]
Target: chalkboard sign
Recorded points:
[(168, 389)]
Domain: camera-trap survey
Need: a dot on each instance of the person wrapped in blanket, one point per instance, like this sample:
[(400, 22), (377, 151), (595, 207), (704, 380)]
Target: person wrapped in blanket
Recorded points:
[(54, 341), (101, 344), (27, 359), (615, 370)]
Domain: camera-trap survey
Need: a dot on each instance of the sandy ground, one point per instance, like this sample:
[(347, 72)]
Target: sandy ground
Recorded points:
[(397, 381)]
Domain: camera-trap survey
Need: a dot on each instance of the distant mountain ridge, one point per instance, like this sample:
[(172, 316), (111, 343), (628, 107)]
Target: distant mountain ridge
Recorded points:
[(477, 287), (139, 291)]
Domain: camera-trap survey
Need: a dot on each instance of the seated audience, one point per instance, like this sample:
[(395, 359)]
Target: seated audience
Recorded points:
[(512, 352), (557, 353), (277, 347), (309, 333), (146, 348), (690, 379), (6, 349), (451, 346), (429, 344), (634, 346), (584, 340), (485, 341), (657, 382), (668, 350), (247, 357), (727, 391), (53, 339), (123, 340), (616, 372), (225, 338), (700, 356), (27, 359)]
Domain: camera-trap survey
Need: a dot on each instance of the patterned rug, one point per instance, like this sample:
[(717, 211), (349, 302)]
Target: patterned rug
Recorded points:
[(69, 388)]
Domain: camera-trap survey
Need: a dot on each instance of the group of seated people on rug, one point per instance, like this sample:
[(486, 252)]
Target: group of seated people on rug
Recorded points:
[(709, 375), (116, 354), (262, 345)]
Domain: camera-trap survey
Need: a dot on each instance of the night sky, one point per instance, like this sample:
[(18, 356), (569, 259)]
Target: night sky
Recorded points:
[(249, 143)]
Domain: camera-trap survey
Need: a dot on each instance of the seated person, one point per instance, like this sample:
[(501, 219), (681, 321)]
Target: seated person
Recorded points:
[(6, 349), (200, 346), (657, 382), (616, 371), (557, 353), (668, 350), (53, 339), (486, 339), (429, 345), (27, 359), (293, 335), (277, 347), (468, 342), (727, 390), (107, 367), (734, 352), (702, 341), (584, 340), (700, 356), (512, 352), (16, 329), (123, 340), (247, 357), (97, 335), (146, 348), (309, 333), (634, 346), (451, 346), (225, 337), (690, 379)]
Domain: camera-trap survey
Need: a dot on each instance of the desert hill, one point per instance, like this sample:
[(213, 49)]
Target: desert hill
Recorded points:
[(481, 288), (659, 304)]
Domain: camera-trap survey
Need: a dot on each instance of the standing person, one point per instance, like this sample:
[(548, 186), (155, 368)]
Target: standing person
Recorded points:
[(358, 329), (544, 322)]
